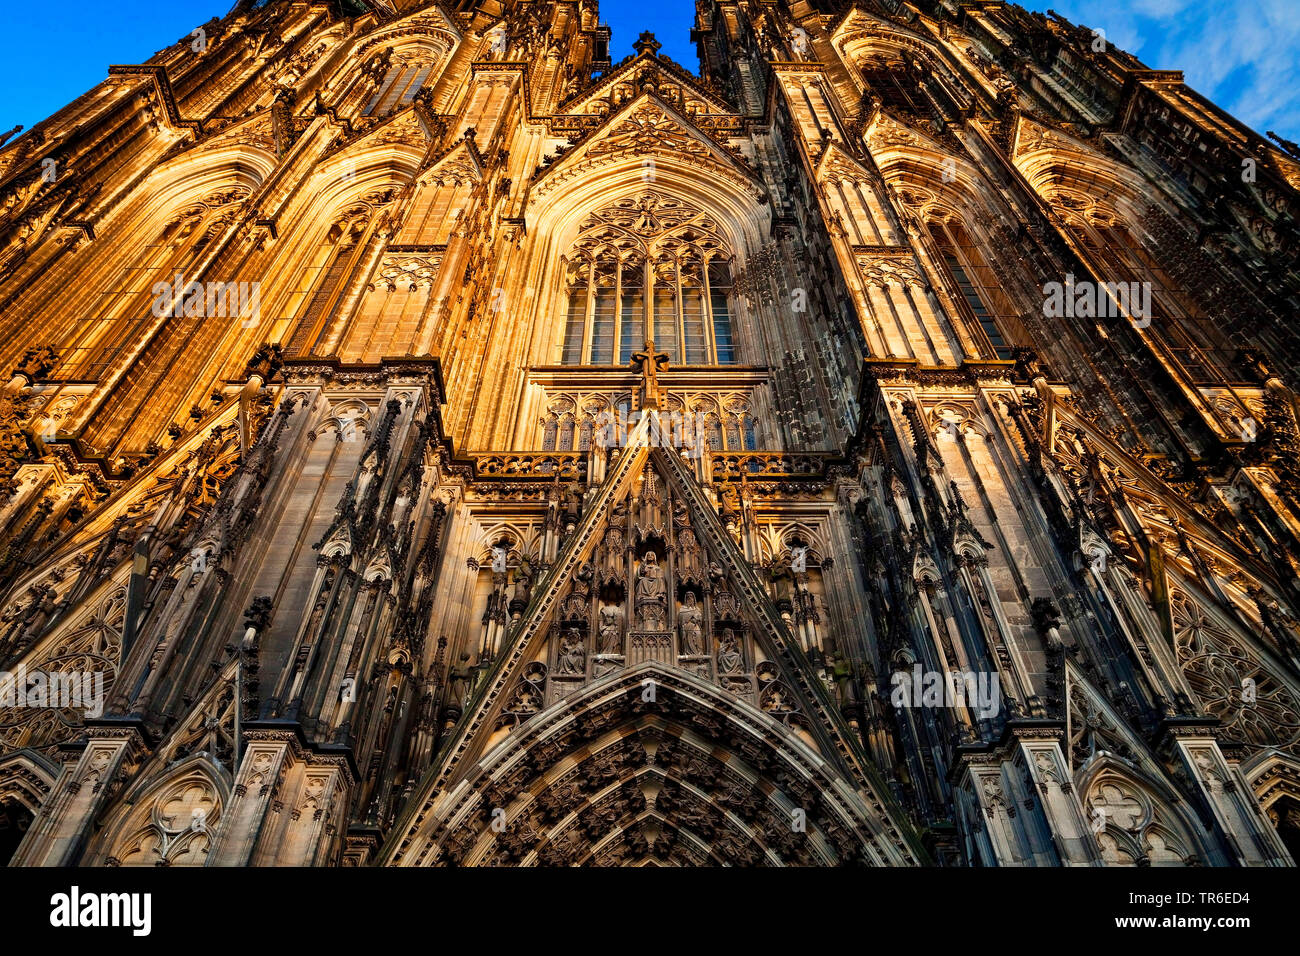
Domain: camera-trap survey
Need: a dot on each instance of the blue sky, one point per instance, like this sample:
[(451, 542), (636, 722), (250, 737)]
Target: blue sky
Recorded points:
[(1242, 54)]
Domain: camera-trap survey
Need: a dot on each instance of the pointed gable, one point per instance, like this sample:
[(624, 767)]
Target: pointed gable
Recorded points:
[(650, 129), (686, 601)]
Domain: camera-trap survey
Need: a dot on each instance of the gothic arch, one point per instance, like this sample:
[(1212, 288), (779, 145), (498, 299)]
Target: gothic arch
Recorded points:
[(809, 535), (339, 221), (614, 166), (399, 59), (207, 185), (419, 31), (26, 779), (935, 183), (1115, 227), (1274, 778), (646, 136), (170, 820), (950, 415), (172, 224), (1138, 819), (87, 642), (654, 252), (368, 165), (732, 201), (857, 47), (604, 776), (1052, 162), (519, 541), (861, 33), (412, 41), (187, 176), (737, 229), (349, 419), (955, 213)]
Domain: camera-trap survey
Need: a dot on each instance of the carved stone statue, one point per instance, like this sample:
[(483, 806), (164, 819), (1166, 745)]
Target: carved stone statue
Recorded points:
[(611, 629), (37, 614), (716, 575), (651, 595), (524, 580), (613, 555), (846, 691), (458, 685), (799, 559), (729, 661), (573, 654), (690, 618)]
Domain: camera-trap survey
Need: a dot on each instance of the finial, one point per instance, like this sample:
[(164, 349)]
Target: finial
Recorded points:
[(646, 44)]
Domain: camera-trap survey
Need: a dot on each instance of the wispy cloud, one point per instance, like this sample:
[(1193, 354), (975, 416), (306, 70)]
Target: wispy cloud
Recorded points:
[(1243, 54)]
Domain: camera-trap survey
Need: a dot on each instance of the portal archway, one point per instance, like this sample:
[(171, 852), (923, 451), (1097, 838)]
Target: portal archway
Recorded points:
[(653, 767)]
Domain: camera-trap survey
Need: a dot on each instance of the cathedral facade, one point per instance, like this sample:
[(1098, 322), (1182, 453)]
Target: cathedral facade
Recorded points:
[(426, 442)]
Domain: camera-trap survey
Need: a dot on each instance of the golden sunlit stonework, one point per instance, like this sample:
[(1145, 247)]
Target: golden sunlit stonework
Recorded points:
[(440, 445)]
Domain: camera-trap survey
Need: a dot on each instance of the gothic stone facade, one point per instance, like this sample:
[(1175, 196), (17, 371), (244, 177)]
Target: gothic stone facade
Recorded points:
[(450, 447)]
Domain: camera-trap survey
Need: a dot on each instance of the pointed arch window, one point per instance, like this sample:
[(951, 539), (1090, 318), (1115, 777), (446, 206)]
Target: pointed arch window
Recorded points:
[(1189, 337), (719, 295), (733, 433), (978, 290), (667, 332), (603, 306), (575, 324), (648, 267), (565, 439), (896, 82), (322, 281), (713, 433), (123, 307), (403, 81), (631, 309)]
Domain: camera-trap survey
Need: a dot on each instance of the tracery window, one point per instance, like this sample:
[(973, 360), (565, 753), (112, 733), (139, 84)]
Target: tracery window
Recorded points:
[(895, 81), (648, 267), (1191, 339), (123, 309), (404, 79), (978, 288), (322, 280), (571, 422)]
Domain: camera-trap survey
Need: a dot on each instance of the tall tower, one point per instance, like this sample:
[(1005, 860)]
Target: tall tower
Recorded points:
[(427, 442)]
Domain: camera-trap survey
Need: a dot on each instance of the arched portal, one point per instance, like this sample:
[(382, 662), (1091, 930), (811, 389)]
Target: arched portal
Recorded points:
[(26, 778), (14, 821), (651, 767)]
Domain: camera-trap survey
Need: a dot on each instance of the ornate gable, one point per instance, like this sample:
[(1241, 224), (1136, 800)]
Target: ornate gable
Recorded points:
[(649, 592), (650, 128)]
